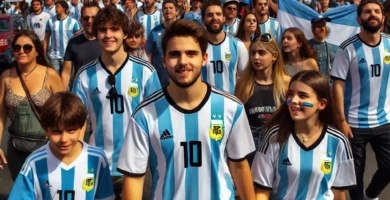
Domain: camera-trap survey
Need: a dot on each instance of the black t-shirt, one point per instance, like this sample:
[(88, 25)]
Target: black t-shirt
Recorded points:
[(81, 51)]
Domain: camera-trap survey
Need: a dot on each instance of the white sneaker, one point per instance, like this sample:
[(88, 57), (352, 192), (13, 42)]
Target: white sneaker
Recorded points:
[(366, 198)]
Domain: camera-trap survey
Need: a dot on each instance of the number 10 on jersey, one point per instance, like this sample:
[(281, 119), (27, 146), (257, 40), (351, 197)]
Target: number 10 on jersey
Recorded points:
[(194, 148)]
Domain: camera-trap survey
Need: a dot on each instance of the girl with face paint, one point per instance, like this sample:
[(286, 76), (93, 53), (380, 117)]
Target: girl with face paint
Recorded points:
[(303, 152)]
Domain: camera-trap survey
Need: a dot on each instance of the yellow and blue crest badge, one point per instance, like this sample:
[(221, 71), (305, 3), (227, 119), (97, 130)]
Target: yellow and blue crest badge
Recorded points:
[(386, 58), (133, 90), (216, 129), (228, 55), (326, 164), (88, 182)]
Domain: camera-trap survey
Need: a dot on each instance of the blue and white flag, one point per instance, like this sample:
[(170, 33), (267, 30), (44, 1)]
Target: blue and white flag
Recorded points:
[(343, 25)]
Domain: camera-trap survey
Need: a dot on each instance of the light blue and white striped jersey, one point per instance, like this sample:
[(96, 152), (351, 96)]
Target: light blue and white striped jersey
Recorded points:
[(365, 71), (75, 11), (44, 177), (37, 23), (148, 21), (225, 59), (60, 33), (299, 172), (51, 11), (134, 81), (196, 16), (188, 150), (233, 28), (272, 27)]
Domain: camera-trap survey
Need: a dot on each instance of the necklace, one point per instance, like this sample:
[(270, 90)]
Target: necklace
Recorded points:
[(305, 139), (25, 75)]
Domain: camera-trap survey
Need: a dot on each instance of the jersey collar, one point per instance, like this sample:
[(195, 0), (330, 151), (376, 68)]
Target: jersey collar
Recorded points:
[(315, 144)]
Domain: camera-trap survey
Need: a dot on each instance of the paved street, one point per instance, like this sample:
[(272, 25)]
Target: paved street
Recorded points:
[(6, 181)]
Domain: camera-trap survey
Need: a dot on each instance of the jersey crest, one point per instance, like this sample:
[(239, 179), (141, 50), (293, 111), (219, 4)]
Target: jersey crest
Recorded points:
[(133, 90), (326, 164), (88, 182), (216, 127), (386, 58)]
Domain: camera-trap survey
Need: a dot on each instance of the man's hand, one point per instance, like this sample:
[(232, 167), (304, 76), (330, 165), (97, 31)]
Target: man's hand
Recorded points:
[(344, 128), (3, 161)]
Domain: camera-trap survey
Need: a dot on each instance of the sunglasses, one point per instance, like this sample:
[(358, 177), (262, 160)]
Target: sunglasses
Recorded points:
[(231, 9), (266, 37), (26, 48), (112, 93), (86, 18), (135, 36)]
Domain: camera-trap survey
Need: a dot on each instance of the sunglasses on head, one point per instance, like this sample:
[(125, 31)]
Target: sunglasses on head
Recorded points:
[(266, 37), (86, 18), (112, 93), (27, 48)]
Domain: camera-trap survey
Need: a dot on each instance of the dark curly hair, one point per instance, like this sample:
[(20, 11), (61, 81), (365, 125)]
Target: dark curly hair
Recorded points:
[(305, 50), (41, 58), (112, 16)]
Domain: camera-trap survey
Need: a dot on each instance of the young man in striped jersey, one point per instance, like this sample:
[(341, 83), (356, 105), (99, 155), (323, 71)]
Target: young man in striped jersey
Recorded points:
[(195, 136), (361, 71), (227, 54), (149, 16), (64, 168), (113, 86), (267, 23), (37, 20), (59, 30), (230, 8)]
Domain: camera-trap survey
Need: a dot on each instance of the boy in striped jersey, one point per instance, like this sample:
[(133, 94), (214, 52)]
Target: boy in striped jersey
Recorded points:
[(227, 54), (112, 86), (361, 71), (196, 137), (66, 167), (149, 16)]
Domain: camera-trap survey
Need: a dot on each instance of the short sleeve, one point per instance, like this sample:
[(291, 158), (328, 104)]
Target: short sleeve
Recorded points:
[(76, 26), (134, 155), (149, 43), (340, 65), (152, 84), (68, 52), (48, 27), (23, 187), (240, 142), (242, 56), (345, 175), (263, 167), (78, 89), (104, 188)]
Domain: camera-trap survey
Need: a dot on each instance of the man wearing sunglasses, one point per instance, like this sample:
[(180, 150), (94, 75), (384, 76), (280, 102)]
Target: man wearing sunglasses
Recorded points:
[(230, 8), (227, 54), (59, 30), (83, 48), (153, 43), (267, 23), (112, 86), (195, 14)]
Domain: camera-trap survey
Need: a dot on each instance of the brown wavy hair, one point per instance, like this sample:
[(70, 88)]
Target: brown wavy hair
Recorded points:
[(319, 83), (41, 58), (305, 50), (241, 31), (112, 16)]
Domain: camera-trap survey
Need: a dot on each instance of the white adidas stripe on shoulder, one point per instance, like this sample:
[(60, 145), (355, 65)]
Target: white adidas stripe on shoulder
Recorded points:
[(150, 99), (141, 62), (84, 67), (225, 94)]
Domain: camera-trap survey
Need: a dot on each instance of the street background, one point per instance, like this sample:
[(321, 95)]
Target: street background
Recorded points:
[(6, 181)]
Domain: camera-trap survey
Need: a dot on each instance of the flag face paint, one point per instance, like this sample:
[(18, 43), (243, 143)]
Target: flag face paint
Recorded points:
[(307, 104), (288, 101)]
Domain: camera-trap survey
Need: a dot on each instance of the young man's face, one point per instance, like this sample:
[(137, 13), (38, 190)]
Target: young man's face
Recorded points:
[(134, 41), (49, 2), (214, 19), (149, 3), (230, 11), (37, 7), (62, 142), (110, 38), (183, 60), (261, 7), (169, 12), (90, 13), (75, 2), (371, 18), (60, 10)]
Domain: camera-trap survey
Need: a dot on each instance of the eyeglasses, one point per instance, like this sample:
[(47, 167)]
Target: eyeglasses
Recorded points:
[(231, 8), (135, 36), (266, 37), (27, 48), (112, 93), (86, 18)]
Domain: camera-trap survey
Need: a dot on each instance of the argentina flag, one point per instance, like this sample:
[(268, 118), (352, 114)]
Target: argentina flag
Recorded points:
[(343, 25)]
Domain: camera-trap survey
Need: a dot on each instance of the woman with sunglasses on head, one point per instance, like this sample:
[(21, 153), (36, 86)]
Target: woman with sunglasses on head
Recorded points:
[(303, 155), (135, 41), (41, 81), (262, 85), (297, 53), (248, 30)]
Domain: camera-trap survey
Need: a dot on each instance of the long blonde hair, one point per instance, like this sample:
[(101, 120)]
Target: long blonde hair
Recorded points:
[(245, 84)]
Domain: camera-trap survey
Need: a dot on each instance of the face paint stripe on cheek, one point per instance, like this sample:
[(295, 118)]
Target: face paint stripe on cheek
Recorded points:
[(307, 104)]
